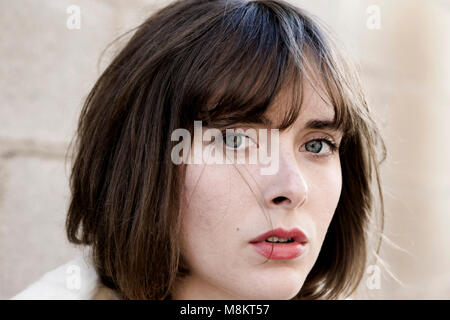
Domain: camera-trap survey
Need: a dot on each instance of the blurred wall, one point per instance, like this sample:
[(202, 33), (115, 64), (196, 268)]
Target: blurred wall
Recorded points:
[(47, 70)]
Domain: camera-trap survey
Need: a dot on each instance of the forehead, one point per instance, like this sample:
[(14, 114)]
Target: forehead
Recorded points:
[(314, 104)]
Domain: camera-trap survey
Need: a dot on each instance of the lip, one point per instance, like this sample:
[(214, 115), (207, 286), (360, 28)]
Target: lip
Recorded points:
[(278, 251)]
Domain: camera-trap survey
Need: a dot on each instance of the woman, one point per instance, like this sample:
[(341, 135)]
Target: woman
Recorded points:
[(159, 228)]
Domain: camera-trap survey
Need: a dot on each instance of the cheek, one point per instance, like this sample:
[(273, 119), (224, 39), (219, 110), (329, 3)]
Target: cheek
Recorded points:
[(196, 203), (206, 198), (324, 196), (207, 216)]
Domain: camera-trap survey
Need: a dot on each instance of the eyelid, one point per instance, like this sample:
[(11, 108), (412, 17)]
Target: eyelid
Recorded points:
[(326, 139), (236, 131), (325, 136)]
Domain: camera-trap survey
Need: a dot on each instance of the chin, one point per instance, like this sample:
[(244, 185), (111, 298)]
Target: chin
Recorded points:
[(276, 288), (283, 294)]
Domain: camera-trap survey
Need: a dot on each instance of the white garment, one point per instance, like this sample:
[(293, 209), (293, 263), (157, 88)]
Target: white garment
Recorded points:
[(75, 280)]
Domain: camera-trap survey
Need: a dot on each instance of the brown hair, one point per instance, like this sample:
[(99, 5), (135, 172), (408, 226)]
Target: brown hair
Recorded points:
[(222, 62)]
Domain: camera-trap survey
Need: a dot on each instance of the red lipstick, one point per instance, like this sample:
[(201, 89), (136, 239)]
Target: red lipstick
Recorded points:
[(281, 249)]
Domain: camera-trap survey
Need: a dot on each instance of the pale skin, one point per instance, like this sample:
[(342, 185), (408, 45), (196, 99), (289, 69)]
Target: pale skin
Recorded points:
[(221, 213)]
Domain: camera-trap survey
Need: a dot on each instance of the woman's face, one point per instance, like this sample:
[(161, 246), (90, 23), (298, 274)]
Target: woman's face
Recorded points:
[(222, 215)]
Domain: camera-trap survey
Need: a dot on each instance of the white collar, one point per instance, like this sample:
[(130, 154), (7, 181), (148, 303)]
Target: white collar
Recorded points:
[(74, 280)]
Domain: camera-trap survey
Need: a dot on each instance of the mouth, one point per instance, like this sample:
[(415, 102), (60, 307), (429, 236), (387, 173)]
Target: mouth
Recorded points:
[(281, 244)]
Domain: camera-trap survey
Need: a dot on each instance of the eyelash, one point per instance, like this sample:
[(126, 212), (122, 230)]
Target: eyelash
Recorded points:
[(325, 139)]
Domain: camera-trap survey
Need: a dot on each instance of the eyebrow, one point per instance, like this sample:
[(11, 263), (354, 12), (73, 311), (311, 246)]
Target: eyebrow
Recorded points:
[(322, 124), (319, 124)]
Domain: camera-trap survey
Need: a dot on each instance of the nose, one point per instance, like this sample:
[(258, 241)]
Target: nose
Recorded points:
[(287, 188)]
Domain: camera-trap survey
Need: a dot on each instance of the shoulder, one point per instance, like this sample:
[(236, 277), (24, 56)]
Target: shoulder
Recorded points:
[(74, 280)]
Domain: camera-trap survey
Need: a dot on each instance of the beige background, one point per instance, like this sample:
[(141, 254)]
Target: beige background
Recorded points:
[(46, 70)]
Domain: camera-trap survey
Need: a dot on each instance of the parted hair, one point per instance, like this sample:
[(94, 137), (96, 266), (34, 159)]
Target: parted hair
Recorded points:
[(221, 61)]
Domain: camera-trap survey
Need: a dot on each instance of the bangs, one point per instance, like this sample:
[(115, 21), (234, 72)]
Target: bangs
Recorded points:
[(260, 51)]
